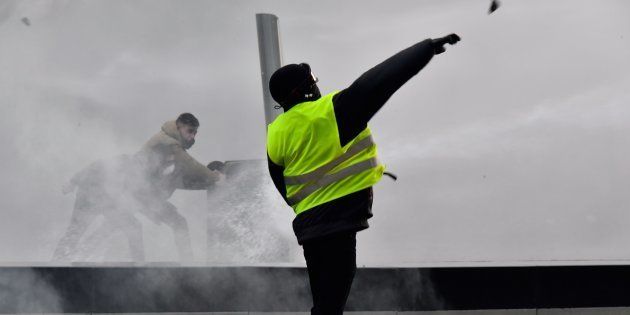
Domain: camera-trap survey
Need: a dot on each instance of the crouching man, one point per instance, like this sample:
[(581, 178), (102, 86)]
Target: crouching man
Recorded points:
[(143, 182)]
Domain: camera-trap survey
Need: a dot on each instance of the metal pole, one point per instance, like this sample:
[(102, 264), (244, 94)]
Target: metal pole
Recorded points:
[(270, 59)]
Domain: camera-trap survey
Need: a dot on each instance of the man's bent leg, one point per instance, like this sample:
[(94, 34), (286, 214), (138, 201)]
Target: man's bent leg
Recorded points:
[(83, 215), (125, 221), (331, 263), (169, 215)]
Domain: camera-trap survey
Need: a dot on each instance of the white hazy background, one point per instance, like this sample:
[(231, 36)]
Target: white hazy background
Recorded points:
[(513, 146)]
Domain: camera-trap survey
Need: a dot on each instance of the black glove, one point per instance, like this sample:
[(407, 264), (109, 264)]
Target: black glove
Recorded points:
[(438, 43), (216, 166)]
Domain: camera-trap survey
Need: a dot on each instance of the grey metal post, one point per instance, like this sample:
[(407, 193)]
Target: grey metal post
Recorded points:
[(224, 244), (270, 59)]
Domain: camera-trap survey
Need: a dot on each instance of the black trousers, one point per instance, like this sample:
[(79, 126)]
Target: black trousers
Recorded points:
[(331, 264)]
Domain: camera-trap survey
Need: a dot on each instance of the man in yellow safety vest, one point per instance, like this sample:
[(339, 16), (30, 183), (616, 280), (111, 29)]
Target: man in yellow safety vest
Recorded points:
[(323, 161)]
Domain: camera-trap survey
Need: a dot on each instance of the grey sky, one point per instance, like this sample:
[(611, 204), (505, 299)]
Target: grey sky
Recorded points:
[(511, 146)]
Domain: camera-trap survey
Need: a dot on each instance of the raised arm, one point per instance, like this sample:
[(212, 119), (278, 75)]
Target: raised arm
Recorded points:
[(357, 104)]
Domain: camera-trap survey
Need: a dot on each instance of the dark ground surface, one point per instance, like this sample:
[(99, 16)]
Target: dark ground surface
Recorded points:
[(280, 289)]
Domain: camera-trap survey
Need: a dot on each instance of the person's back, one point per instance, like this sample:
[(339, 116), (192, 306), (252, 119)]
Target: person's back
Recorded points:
[(306, 142)]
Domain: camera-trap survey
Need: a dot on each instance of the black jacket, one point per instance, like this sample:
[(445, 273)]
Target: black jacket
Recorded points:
[(354, 107)]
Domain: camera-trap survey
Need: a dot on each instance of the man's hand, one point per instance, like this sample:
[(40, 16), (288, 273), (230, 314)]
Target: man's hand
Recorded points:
[(438, 43), (218, 167)]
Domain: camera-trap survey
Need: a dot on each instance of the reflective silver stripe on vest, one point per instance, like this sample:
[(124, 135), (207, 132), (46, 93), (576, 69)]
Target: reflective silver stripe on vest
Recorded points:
[(331, 178), (322, 170)]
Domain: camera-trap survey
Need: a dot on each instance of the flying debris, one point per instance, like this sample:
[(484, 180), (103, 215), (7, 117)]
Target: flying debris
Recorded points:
[(26, 21), (494, 5)]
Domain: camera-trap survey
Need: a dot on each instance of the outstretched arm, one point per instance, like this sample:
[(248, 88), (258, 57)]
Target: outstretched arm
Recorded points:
[(357, 104), (195, 174)]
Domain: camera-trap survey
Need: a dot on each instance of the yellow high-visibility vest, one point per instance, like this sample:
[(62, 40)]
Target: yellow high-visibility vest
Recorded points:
[(317, 169)]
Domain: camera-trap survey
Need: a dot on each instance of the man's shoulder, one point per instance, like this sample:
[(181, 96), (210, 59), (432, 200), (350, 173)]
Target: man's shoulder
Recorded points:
[(160, 141), (280, 123), (332, 94)]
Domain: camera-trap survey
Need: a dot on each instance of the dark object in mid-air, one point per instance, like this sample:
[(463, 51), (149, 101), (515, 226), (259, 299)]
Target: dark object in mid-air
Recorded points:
[(494, 5), (26, 21)]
